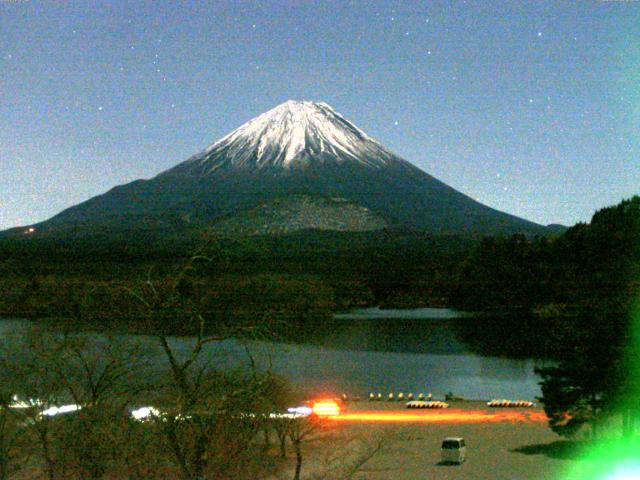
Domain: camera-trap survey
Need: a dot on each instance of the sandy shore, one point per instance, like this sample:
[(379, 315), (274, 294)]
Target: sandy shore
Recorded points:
[(509, 444)]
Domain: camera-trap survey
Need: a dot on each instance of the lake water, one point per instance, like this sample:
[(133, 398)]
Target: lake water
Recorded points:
[(429, 350)]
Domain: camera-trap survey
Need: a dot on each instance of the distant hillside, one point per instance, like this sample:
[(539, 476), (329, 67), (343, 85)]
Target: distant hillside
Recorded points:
[(590, 265)]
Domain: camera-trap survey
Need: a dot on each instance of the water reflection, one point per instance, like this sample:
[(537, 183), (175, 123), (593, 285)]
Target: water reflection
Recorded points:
[(321, 370), (380, 355)]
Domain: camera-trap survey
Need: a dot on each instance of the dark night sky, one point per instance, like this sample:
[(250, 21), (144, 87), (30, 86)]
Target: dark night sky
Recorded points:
[(530, 107)]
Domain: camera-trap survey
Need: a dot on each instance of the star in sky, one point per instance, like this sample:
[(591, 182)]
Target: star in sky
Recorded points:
[(495, 96)]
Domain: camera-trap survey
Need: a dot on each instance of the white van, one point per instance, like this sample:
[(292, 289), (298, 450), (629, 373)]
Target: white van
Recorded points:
[(454, 450)]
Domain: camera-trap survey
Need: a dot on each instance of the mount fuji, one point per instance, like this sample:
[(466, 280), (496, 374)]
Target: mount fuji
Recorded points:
[(298, 166)]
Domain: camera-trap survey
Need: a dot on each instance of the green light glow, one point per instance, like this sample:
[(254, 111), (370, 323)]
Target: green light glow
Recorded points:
[(629, 471), (614, 457)]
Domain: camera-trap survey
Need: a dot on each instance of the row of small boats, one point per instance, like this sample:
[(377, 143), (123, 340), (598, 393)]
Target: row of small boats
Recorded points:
[(426, 401), (373, 397), (502, 403), (430, 404)]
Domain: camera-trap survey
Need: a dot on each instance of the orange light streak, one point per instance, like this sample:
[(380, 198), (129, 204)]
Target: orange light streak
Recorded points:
[(449, 416), (327, 408)]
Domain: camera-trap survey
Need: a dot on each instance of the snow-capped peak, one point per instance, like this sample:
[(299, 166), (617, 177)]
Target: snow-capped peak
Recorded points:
[(293, 134)]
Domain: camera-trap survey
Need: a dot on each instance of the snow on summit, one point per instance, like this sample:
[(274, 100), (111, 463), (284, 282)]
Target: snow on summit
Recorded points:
[(292, 135), (288, 125)]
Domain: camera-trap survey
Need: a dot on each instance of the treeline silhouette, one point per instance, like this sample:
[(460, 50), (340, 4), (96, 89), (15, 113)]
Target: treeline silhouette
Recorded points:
[(591, 266), (295, 277)]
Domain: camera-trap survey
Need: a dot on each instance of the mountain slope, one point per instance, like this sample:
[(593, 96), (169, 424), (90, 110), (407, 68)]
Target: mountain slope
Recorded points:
[(299, 212), (303, 149)]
